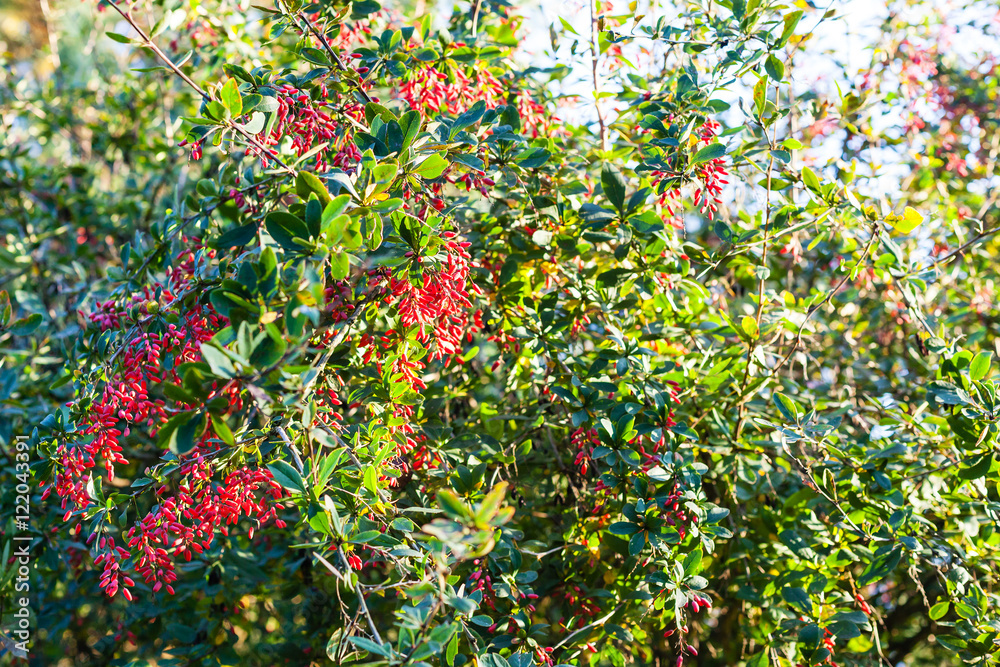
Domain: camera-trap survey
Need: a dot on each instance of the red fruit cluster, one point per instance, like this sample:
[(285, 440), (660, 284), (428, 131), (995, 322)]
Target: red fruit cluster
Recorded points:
[(192, 507), (111, 558), (307, 123), (676, 516), (126, 397), (439, 306), (186, 524), (481, 581), (709, 177), (583, 607), (455, 91)]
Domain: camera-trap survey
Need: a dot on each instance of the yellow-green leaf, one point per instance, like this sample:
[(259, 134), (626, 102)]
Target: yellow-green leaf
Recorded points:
[(911, 220)]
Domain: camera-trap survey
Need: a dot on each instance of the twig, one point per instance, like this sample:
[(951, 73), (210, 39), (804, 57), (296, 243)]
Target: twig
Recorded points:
[(590, 626), (230, 123), (292, 449), (330, 567), (741, 407), (593, 67), (958, 251), (361, 599), (326, 46), (475, 17), (876, 233)]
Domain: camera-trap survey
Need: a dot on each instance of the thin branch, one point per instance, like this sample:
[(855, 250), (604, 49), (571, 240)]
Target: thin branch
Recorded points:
[(876, 233), (361, 599), (590, 626), (594, 53), (326, 45), (229, 123)]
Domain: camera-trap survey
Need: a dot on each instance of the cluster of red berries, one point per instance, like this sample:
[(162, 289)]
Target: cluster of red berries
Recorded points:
[(455, 91), (676, 516), (438, 309), (192, 507), (439, 306), (583, 607), (126, 396), (308, 123), (355, 561), (482, 582), (710, 178)]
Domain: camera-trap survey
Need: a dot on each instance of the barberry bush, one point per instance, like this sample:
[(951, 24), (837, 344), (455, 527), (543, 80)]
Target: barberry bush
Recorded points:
[(361, 334)]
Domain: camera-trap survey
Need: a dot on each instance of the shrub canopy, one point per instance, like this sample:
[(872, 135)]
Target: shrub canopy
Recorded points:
[(370, 335)]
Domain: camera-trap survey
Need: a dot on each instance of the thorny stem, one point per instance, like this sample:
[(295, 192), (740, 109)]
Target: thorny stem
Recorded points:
[(361, 598), (475, 17), (741, 407), (326, 46), (340, 550), (876, 233), (594, 53), (230, 123)]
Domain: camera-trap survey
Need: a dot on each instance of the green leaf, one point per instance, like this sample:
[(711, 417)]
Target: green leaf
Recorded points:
[(952, 643), (218, 361), (761, 659), (791, 21), (365, 537), (798, 598), (786, 406), (468, 118), (491, 503), (911, 220), (188, 431), (760, 95), (774, 68), (882, 566), (26, 325), (623, 528), (370, 480), (533, 158), (980, 366), (939, 610), (370, 646), (810, 180), (340, 264), (425, 54), (307, 182), (231, 98), (222, 430), (237, 236), (637, 543), (980, 468), (692, 562), (948, 393), (492, 660), (284, 228), (710, 152), (316, 57), (452, 505), (5, 308), (432, 167), (614, 186), (121, 39), (287, 476)]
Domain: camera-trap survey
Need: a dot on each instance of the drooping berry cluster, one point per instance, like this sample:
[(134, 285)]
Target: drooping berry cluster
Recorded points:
[(708, 178)]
